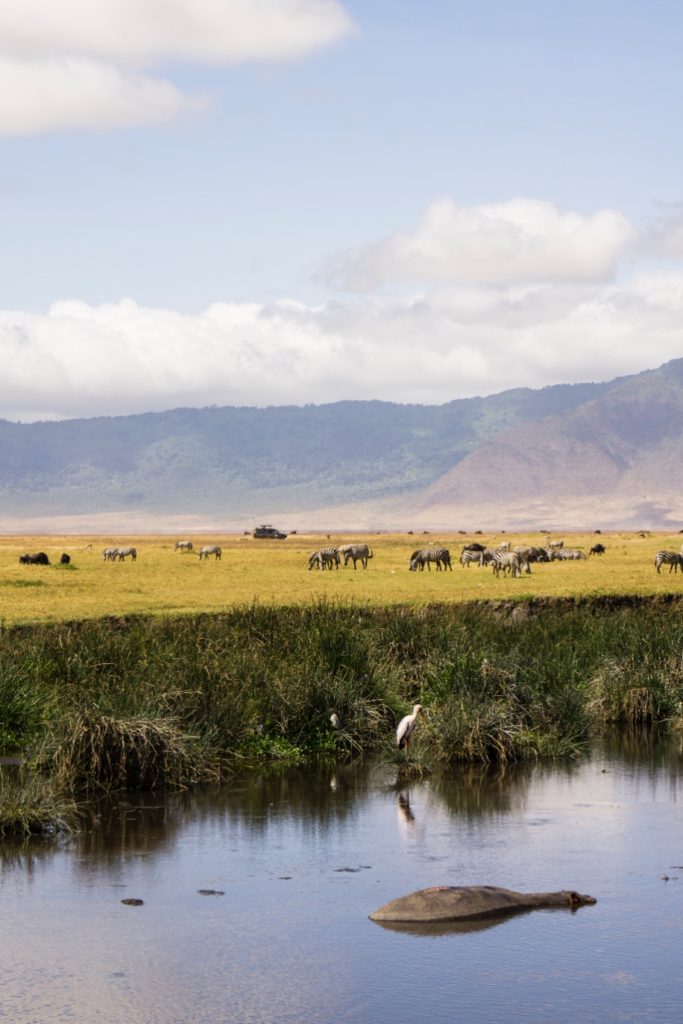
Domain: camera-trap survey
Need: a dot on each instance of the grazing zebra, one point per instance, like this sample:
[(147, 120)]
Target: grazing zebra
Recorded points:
[(670, 558), (210, 549), (425, 556), (122, 553), (467, 556), (507, 561), (109, 554), (324, 559), (556, 544), (357, 553), (569, 554), (184, 546)]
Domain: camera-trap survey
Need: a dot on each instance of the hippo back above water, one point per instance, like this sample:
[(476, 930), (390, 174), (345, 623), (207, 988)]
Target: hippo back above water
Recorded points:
[(444, 903)]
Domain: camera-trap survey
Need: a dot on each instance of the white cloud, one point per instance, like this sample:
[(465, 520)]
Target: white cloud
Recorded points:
[(80, 360), (79, 63), (72, 92), (519, 241), (148, 31)]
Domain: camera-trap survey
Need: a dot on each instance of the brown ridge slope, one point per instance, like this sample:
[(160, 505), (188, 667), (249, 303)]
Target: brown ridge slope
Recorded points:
[(628, 442)]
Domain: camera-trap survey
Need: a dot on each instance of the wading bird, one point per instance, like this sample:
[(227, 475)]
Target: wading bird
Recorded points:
[(406, 728)]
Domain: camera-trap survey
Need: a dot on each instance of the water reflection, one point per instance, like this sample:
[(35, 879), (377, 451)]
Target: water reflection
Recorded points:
[(303, 856)]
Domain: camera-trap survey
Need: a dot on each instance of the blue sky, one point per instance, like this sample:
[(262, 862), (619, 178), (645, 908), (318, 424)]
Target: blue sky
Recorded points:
[(289, 201)]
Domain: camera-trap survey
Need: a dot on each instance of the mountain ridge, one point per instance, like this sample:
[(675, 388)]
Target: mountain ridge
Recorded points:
[(381, 462)]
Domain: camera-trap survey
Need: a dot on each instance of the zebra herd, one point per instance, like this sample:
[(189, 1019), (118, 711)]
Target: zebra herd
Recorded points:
[(514, 561), (330, 557)]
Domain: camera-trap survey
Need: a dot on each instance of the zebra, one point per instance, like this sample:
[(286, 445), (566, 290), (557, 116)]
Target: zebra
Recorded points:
[(507, 561), (467, 556), (671, 558), (210, 549), (109, 554), (556, 544), (418, 559), (569, 554), (325, 558), (184, 546), (122, 553), (357, 553)]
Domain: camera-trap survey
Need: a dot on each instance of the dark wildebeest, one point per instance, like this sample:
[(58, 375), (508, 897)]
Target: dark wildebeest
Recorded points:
[(39, 558), (65, 559), (597, 549)]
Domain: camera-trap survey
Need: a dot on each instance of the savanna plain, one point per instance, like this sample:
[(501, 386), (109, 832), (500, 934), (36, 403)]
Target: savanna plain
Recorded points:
[(163, 581)]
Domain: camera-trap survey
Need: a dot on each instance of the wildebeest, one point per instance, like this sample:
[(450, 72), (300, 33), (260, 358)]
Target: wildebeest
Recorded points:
[(65, 559), (39, 558), (597, 549), (209, 549)]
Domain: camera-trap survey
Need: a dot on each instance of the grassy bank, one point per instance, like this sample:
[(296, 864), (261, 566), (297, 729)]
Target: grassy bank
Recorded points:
[(138, 702)]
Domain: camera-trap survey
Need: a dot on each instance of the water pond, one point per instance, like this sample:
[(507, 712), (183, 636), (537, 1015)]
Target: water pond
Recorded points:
[(296, 863)]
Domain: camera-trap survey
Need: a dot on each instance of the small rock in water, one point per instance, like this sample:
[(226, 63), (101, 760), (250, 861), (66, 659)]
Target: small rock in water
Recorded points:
[(210, 892), (133, 902)]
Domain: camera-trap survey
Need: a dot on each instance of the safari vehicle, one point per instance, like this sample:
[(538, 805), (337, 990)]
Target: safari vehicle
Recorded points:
[(269, 531)]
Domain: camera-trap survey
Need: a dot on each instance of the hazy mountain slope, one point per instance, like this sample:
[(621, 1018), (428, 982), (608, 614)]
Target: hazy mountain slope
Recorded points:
[(235, 459), (626, 441)]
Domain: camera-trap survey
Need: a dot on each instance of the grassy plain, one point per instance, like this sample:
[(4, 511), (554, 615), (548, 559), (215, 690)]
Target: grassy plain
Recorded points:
[(163, 582)]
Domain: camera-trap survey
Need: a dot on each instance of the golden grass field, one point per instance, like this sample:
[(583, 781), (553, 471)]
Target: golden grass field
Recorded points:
[(164, 582)]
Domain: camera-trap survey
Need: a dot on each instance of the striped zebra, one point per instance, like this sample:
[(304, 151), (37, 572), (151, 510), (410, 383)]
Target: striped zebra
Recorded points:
[(425, 556), (670, 558), (507, 561), (109, 554), (357, 553), (210, 549), (467, 556), (569, 554), (123, 553), (325, 558), (184, 546)]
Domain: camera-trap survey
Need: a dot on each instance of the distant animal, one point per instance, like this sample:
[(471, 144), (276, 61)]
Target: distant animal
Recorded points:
[(123, 553), (467, 556), (65, 559), (569, 554), (597, 549), (425, 556), (406, 728), (356, 553), (474, 546), (325, 558), (109, 554), (39, 558), (670, 558), (184, 546), (335, 720), (444, 903), (210, 549)]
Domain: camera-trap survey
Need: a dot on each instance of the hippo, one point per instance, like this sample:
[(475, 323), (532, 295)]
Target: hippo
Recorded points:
[(444, 903)]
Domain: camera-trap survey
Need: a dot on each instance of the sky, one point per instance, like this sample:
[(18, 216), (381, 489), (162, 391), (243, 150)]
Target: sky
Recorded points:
[(282, 202)]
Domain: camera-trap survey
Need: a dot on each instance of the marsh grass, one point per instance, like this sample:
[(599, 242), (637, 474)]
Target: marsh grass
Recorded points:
[(147, 701), (31, 805), (95, 752)]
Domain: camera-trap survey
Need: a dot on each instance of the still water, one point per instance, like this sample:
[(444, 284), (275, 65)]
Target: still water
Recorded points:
[(303, 858)]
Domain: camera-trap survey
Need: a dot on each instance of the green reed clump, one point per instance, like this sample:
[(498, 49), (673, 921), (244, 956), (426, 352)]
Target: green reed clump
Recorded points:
[(95, 752), (31, 805)]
